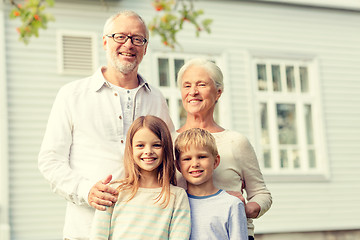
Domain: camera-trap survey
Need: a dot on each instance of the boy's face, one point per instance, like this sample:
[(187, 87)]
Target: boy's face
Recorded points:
[(197, 165)]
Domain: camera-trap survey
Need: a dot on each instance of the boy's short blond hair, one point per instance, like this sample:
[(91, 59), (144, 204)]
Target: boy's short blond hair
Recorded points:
[(195, 137)]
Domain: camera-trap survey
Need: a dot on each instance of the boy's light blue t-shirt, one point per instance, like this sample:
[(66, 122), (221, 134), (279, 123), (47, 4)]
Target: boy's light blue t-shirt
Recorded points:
[(219, 216)]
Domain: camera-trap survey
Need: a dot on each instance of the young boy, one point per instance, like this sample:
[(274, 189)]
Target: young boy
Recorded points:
[(215, 214)]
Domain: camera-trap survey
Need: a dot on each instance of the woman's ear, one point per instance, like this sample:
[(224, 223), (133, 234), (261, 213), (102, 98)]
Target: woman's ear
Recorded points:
[(218, 93)]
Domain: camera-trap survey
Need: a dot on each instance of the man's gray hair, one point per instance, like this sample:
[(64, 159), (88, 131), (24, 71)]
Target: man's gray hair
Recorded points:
[(127, 13)]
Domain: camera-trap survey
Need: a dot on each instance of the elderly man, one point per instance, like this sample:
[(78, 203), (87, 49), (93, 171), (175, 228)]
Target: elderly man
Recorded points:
[(85, 136)]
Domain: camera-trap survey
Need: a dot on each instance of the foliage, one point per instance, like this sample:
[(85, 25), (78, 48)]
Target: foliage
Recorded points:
[(32, 16), (170, 20)]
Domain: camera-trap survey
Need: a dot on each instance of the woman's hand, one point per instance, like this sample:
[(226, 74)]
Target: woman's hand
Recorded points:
[(252, 209), (102, 195)]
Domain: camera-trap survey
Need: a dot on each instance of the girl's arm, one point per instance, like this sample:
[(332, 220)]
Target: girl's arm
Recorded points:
[(180, 224), (101, 225)]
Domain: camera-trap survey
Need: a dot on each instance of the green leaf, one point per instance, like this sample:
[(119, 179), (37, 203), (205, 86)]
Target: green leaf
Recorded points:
[(51, 3), (207, 22)]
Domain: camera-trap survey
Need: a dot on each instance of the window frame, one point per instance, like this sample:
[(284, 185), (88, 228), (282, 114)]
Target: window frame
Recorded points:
[(314, 98)]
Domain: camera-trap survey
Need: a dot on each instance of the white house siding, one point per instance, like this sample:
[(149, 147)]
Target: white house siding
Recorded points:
[(4, 196), (240, 29)]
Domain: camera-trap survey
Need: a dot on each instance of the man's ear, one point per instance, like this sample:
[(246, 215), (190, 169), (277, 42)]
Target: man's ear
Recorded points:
[(217, 161), (104, 42), (145, 50)]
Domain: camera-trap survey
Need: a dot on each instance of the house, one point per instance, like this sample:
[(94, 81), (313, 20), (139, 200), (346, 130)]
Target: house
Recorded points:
[(292, 86)]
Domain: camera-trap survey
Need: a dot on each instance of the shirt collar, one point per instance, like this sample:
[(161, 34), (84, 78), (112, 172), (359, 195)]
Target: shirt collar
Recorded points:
[(99, 81), (142, 82)]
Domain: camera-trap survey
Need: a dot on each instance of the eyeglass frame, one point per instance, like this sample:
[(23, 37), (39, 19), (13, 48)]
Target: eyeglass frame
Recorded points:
[(127, 37)]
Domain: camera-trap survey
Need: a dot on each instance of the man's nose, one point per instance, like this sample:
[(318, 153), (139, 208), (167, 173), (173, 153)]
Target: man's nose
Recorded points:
[(128, 41)]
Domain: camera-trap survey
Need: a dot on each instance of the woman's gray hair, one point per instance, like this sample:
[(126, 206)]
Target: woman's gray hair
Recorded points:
[(127, 13), (211, 68)]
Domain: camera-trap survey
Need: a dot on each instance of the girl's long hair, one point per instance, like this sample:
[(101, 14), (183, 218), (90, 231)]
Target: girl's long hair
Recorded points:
[(166, 170)]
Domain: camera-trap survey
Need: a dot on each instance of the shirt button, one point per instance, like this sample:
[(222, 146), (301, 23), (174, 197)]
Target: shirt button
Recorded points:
[(120, 117), (115, 94), (122, 141), (128, 91)]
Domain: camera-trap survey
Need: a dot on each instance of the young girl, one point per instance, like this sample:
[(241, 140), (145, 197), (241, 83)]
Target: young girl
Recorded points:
[(149, 206)]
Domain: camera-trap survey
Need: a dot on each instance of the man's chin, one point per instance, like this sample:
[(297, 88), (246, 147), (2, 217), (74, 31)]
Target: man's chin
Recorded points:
[(126, 68)]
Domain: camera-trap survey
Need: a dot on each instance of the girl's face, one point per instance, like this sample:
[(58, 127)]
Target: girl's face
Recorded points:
[(198, 91), (147, 151)]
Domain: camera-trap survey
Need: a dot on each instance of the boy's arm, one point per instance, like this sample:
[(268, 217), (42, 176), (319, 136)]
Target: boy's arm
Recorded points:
[(180, 224), (238, 222), (101, 224)]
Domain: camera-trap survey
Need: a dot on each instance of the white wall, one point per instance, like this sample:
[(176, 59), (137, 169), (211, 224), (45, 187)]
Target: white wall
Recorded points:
[(4, 176)]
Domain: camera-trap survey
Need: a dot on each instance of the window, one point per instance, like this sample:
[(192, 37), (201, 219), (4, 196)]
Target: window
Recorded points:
[(77, 53), (168, 65), (288, 118)]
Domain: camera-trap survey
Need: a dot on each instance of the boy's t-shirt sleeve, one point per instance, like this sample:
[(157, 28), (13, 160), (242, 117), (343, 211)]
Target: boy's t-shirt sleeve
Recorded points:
[(238, 221)]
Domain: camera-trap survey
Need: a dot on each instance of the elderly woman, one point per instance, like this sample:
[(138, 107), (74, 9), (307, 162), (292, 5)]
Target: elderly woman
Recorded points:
[(201, 84)]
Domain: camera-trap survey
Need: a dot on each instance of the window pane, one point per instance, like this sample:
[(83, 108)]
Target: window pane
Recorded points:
[(290, 79), (178, 63), (304, 79), (275, 69), (261, 75), (295, 158), (164, 72), (182, 113), (286, 117), (312, 158), (309, 125), (264, 124), (267, 158), (284, 163)]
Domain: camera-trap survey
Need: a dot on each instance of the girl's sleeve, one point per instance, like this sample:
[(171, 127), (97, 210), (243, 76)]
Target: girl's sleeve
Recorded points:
[(238, 222), (101, 224), (180, 224)]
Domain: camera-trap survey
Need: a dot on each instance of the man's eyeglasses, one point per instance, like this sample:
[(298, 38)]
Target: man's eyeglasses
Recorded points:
[(122, 38)]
